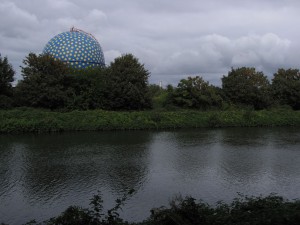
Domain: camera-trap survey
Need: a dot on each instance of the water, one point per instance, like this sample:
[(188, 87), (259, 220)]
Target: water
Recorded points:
[(41, 175)]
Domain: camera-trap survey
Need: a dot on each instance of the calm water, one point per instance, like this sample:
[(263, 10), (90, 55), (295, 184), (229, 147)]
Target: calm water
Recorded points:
[(41, 175)]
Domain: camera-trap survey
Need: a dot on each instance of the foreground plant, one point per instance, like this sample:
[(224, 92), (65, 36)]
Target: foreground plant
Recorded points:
[(270, 210)]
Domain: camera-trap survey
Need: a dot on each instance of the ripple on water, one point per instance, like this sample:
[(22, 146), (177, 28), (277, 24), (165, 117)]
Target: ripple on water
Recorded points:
[(41, 175)]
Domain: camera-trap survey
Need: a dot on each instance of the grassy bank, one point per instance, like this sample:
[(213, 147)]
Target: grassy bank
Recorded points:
[(37, 120)]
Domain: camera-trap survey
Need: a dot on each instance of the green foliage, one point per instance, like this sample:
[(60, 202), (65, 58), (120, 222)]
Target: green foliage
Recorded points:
[(5, 102), (6, 77), (101, 97), (89, 89), (270, 210), (73, 216), (182, 211), (155, 90), (286, 87), (51, 84), (80, 94), (158, 96), (214, 120), (95, 215), (245, 86), (196, 93), (128, 84), (44, 84), (37, 120)]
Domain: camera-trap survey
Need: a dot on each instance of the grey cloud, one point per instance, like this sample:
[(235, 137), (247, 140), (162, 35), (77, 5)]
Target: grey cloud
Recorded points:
[(268, 51), (15, 21), (215, 52), (213, 55), (172, 38)]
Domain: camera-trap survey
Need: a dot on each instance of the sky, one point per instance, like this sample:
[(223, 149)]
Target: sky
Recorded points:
[(174, 39)]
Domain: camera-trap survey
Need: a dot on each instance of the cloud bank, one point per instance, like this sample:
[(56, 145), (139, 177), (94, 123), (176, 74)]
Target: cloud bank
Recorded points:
[(174, 39)]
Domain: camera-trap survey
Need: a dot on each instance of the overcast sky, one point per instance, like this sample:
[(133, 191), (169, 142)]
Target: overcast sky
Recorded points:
[(173, 38)]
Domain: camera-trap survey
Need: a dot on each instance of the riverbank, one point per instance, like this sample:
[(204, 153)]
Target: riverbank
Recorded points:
[(22, 120)]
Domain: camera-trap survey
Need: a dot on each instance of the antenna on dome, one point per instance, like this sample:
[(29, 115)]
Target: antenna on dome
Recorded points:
[(73, 29)]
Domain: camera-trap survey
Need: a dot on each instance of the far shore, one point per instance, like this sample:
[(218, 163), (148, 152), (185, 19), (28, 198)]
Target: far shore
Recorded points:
[(24, 120)]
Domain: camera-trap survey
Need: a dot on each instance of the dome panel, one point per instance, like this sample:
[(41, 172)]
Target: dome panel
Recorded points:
[(79, 49)]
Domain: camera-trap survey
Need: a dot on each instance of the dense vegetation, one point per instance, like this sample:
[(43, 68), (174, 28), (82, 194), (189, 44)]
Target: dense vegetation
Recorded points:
[(54, 97), (270, 210), (6, 77), (36, 120), (49, 83), (123, 85)]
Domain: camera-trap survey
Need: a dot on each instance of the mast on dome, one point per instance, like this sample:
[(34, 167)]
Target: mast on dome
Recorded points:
[(73, 29)]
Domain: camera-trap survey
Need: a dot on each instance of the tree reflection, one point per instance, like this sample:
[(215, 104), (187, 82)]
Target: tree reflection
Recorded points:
[(64, 164), (6, 170)]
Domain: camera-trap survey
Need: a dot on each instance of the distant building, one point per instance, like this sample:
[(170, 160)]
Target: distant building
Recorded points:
[(77, 48)]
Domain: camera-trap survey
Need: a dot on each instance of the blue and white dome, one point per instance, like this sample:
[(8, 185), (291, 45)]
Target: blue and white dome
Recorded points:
[(77, 48)]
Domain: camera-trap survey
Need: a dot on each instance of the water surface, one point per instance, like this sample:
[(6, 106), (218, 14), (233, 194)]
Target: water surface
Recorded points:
[(41, 175)]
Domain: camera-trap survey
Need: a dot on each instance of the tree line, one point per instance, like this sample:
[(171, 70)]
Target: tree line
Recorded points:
[(49, 83), (242, 88), (123, 85)]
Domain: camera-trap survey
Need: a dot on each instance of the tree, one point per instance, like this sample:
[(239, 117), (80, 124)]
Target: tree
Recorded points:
[(194, 92), (45, 83), (286, 87), (6, 78), (128, 84), (155, 90), (245, 86), (90, 88)]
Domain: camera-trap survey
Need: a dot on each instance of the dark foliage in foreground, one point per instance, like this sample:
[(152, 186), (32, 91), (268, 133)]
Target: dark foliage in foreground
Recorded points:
[(270, 210)]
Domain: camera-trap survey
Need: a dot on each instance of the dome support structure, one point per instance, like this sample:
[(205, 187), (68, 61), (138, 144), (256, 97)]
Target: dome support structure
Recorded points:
[(74, 29)]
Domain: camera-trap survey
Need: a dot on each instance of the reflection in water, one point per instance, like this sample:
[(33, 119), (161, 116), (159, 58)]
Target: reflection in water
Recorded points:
[(54, 171), (91, 160), (43, 174)]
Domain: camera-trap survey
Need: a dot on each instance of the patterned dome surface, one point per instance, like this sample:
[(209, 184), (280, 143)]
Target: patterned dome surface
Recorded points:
[(79, 49)]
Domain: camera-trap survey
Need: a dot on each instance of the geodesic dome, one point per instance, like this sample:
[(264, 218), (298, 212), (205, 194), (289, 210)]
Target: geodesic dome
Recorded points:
[(77, 48)]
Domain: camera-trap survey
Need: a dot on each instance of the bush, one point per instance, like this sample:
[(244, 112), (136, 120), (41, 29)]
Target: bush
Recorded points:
[(195, 93), (5, 102), (270, 210)]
